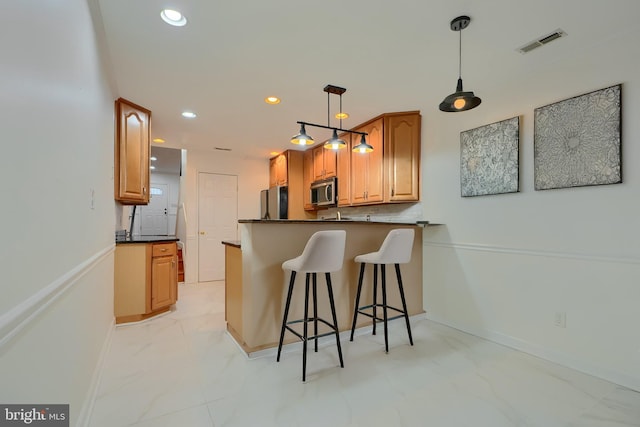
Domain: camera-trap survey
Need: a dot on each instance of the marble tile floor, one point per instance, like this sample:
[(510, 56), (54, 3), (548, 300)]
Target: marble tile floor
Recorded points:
[(182, 369)]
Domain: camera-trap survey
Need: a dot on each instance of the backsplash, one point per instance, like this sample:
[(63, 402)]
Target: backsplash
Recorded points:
[(388, 212)]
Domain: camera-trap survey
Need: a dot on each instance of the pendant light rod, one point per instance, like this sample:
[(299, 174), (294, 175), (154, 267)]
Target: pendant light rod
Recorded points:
[(460, 55)]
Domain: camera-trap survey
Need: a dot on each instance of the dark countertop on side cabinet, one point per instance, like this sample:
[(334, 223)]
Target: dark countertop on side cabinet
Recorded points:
[(234, 243), (147, 239), (329, 221)]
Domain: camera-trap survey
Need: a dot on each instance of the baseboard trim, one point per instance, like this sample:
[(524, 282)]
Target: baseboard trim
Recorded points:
[(476, 247), (551, 355), (16, 319), (84, 418)]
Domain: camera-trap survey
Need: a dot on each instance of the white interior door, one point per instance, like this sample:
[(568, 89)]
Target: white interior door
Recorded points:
[(154, 218), (217, 221)]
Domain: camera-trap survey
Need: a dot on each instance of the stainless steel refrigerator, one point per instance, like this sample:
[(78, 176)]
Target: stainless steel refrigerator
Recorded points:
[(277, 203)]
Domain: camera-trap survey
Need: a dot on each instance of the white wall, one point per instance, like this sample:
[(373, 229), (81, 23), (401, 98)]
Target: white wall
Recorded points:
[(503, 265), (253, 176), (56, 124)]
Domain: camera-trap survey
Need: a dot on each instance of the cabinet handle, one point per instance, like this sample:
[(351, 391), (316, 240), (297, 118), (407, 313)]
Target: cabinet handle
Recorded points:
[(163, 250), (392, 192), (144, 190)]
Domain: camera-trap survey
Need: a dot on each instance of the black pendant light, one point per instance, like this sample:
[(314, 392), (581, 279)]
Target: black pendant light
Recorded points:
[(335, 143), (460, 100)]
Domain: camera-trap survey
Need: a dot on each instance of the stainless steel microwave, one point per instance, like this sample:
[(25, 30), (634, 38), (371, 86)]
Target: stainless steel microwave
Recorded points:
[(324, 192)]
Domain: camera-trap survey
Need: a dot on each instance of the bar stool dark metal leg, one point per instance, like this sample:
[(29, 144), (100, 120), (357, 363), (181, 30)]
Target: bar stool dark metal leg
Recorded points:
[(357, 307), (305, 334), (335, 318), (404, 302), (286, 312), (315, 311), (383, 272), (375, 296)]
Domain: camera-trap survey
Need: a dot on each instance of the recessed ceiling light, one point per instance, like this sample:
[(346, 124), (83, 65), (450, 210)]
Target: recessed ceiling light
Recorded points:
[(272, 100), (153, 158), (188, 114), (342, 115), (173, 17), (158, 140), (152, 167)]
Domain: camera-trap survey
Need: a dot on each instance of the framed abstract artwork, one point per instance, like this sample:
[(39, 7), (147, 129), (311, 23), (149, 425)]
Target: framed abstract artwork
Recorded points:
[(577, 142), (489, 159)]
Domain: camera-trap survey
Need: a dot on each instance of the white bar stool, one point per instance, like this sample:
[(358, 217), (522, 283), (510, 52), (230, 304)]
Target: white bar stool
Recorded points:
[(395, 249), (323, 253)]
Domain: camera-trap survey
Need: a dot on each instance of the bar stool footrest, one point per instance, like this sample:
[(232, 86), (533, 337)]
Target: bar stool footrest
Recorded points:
[(311, 337)]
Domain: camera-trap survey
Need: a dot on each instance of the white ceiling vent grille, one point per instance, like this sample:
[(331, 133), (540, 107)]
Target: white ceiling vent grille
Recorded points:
[(542, 41)]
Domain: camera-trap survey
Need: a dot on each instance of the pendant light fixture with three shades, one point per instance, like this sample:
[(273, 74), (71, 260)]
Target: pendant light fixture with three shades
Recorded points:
[(460, 100), (335, 143)]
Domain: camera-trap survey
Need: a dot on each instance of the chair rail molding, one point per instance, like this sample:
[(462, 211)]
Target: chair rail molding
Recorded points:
[(477, 247), (14, 320)]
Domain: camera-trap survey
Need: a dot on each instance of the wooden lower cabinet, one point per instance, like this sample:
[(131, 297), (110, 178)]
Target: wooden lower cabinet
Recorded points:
[(233, 291), (145, 280)]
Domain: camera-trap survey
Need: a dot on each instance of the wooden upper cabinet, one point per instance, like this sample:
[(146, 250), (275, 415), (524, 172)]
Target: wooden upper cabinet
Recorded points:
[(131, 172), (324, 163), (367, 178), (343, 172), (402, 157), (278, 173), (307, 178)]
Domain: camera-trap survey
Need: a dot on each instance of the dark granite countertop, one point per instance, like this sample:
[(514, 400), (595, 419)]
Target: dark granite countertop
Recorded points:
[(147, 239), (234, 243), (330, 221)]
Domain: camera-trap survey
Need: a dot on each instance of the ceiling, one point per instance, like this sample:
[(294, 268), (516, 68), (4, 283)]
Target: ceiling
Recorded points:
[(390, 55)]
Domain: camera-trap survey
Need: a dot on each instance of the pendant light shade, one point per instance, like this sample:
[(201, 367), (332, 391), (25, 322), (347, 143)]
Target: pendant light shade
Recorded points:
[(302, 138), (335, 143), (363, 147), (460, 100)]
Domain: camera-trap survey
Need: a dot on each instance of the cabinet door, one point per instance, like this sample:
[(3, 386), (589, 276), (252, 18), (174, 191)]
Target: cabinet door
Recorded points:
[(367, 176), (131, 174), (278, 170), (343, 172), (281, 168), (402, 153), (375, 166), (330, 162), (164, 278), (307, 178), (273, 172), (318, 162)]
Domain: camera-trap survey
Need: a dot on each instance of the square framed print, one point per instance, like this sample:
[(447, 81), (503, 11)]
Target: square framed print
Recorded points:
[(577, 142), (489, 159)]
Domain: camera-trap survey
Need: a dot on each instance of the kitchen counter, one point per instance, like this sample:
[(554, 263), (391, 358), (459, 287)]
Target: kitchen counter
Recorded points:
[(256, 285), (234, 243), (316, 221), (147, 239)]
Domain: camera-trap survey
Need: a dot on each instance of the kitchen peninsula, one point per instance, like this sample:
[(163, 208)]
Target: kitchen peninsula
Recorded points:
[(256, 284)]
